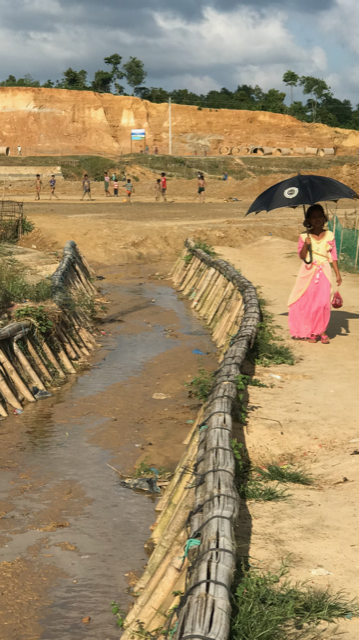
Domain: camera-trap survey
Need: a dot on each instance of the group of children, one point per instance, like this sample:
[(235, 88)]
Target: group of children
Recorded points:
[(160, 186), (52, 183)]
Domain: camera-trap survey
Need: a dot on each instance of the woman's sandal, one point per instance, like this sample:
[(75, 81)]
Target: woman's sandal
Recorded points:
[(324, 339), (313, 339)]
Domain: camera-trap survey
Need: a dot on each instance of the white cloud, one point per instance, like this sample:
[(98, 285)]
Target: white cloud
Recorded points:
[(341, 22)]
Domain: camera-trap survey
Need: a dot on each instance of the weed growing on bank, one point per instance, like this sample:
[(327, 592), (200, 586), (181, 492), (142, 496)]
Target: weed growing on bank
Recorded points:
[(146, 470), (267, 348), (268, 606), (120, 615), (38, 316), (15, 288), (284, 473), (207, 248), (201, 385)]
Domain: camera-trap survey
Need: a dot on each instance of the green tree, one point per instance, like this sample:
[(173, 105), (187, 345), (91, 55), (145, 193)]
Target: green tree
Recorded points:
[(135, 73), (102, 82), (291, 79), (317, 88), (117, 73), (74, 79), (49, 84), (274, 101), (298, 110)]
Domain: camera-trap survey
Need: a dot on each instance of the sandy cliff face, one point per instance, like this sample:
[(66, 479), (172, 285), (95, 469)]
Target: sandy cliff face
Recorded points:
[(55, 120)]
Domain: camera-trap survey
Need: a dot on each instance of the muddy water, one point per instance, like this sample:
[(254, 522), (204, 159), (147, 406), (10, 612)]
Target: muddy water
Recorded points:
[(65, 512)]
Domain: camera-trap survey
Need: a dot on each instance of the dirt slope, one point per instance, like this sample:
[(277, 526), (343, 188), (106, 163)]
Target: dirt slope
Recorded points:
[(48, 120), (310, 415)]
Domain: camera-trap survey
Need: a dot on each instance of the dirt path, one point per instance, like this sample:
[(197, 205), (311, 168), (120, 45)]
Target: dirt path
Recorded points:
[(316, 405)]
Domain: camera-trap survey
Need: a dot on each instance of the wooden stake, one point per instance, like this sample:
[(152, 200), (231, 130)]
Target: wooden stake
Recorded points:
[(13, 374)]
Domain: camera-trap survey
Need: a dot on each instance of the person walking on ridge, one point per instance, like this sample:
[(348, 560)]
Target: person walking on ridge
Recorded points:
[(158, 189), (86, 185), (19, 149), (53, 187), (201, 187), (38, 186), (129, 190), (310, 301), (163, 186), (107, 185)]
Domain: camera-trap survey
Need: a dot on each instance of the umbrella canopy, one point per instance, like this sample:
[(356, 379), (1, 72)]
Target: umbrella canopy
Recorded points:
[(301, 190)]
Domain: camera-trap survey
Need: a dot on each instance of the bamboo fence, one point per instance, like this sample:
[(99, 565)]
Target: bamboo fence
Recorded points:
[(193, 540), (29, 363)]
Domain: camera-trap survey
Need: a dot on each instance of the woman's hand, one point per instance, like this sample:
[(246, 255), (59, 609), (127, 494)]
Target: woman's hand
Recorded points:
[(339, 279), (308, 241)]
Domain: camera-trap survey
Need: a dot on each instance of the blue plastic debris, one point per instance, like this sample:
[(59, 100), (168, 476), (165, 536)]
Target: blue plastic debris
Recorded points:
[(198, 352)]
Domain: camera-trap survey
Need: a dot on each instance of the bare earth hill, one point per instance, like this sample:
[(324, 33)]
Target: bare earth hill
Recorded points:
[(51, 120)]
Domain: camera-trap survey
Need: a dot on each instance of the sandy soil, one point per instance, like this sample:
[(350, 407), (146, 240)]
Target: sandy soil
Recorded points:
[(311, 416)]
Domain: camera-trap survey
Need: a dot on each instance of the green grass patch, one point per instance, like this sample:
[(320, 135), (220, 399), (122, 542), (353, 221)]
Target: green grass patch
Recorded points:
[(269, 606), (267, 348), (284, 473), (207, 248), (200, 385), (15, 288), (249, 484)]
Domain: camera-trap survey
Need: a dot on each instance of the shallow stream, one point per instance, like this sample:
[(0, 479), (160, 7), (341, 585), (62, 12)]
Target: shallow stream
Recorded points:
[(67, 473)]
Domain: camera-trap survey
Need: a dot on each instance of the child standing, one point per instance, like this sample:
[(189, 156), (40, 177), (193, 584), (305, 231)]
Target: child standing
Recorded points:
[(201, 187), (86, 184), (129, 190), (38, 186), (158, 190), (53, 187), (107, 184), (163, 186), (115, 188)]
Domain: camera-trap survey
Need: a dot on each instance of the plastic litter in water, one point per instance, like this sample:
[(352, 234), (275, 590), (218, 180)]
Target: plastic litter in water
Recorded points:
[(189, 421), (273, 375), (198, 352), (144, 484), (160, 396), (17, 412)]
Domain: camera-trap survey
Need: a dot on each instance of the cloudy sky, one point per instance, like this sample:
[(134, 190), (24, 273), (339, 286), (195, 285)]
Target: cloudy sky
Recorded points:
[(199, 45)]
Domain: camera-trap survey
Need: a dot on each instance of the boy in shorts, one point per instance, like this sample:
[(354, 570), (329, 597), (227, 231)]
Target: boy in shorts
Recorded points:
[(129, 190), (53, 187), (86, 184), (107, 184), (163, 186), (38, 186), (115, 188)]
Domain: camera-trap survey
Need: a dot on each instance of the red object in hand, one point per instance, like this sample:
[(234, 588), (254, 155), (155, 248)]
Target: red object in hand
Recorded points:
[(337, 301)]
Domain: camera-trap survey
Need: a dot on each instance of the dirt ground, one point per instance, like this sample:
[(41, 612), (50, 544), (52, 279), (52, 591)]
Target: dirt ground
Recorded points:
[(309, 414)]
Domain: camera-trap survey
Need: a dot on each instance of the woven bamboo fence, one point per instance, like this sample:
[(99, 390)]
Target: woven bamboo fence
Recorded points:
[(31, 364), (193, 539)]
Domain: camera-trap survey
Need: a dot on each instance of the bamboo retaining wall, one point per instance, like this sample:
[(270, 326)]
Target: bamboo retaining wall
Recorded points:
[(193, 540), (29, 363)]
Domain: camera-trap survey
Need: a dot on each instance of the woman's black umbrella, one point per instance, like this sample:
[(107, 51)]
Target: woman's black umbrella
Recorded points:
[(301, 190)]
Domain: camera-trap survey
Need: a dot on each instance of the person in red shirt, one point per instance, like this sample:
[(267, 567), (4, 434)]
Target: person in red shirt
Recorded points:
[(163, 186)]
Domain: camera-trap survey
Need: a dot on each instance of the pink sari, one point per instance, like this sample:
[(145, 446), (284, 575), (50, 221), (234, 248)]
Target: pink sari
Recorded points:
[(310, 301)]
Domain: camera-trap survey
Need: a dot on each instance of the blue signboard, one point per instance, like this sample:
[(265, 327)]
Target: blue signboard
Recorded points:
[(138, 134)]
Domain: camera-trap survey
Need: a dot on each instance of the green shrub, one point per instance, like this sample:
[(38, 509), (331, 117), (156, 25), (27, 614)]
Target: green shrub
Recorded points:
[(267, 349)]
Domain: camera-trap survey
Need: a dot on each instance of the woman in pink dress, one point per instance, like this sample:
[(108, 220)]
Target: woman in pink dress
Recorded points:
[(310, 301)]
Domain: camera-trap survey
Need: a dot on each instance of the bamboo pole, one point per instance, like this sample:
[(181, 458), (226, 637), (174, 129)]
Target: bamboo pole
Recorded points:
[(3, 411), (67, 345), (65, 360), (26, 365), (8, 394), (52, 359), (36, 358), (13, 374)]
